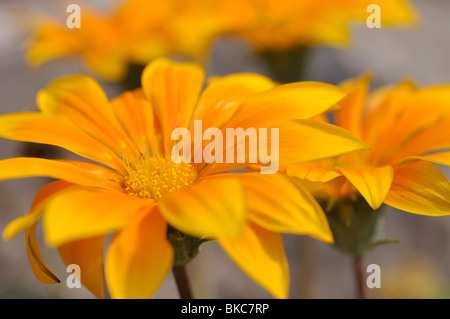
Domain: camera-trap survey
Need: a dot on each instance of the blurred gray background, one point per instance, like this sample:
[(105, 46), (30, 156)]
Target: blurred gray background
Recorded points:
[(418, 267)]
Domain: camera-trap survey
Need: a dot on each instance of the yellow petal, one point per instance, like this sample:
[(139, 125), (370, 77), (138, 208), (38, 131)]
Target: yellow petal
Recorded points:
[(55, 130), (260, 255), (293, 101), (85, 212), (173, 90), (308, 140), (205, 209), (21, 167), (420, 188), (82, 100), (280, 204), (373, 184), (223, 96), (139, 257), (299, 141), (88, 255)]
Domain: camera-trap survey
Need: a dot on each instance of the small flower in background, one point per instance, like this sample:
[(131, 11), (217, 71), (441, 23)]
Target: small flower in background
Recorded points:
[(154, 206)]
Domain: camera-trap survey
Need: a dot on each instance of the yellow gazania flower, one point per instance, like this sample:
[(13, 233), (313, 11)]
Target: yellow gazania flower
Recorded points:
[(136, 190), (135, 33), (280, 25), (407, 129)]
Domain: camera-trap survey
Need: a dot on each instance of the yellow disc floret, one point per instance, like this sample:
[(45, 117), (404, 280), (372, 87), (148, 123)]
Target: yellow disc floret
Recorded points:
[(151, 177)]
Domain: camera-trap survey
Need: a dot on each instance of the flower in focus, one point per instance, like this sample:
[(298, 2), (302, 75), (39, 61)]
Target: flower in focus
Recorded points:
[(132, 188), (407, 129)]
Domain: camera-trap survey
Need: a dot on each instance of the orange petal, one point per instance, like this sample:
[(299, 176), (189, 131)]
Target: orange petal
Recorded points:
[(223, 96), (40, 270), (82, 100), (420, 188), (139, 257), (88, 255), (204, 209), (322, 171), (373, 183), (83, 212), (260, 255), (55, 130), (135, 114), (21, 167), (173, 90), (350, 117)]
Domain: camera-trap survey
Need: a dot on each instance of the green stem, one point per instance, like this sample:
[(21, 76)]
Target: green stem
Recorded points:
[(182, 281)]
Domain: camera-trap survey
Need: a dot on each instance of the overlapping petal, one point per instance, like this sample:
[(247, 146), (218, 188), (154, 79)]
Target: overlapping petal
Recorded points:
[(87, 212), (302, 100), (139, 256), (297, 213), (90, 111), (173, 91), (222, 97), (206, 210), (87, 253)]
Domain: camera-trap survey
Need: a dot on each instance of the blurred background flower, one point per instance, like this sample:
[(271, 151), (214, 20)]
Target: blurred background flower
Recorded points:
[(391, 53), (138, 31)]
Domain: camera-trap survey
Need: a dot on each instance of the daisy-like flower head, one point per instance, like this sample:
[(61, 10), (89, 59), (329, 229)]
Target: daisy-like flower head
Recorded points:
[(136, 189), (407, 129)]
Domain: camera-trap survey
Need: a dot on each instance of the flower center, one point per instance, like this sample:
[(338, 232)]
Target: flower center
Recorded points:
[(153, 177)]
